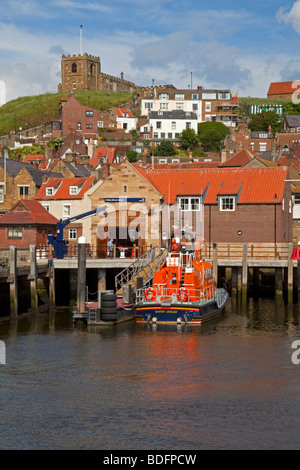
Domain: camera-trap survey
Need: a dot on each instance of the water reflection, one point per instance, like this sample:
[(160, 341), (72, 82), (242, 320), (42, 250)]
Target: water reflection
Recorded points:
[(73, 386)]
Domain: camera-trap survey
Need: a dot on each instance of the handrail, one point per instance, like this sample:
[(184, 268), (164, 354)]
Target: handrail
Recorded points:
[(125, 276), (168, 295)]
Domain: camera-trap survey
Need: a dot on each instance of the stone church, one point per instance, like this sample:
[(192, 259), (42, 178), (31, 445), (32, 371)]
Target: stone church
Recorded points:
[(83, 72)]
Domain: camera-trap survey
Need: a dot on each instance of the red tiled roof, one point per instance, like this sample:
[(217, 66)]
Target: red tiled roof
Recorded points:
[(289, 160), (281, 88), (32, 158), (102, 152), (62, 186), (32, 213), (121, 111), (240, 158), (256, 185)]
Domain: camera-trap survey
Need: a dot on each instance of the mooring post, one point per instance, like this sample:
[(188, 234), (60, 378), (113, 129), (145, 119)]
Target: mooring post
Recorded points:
[(13, 284), (290, 274), (33, 278), (101, 279), (51, 283), (245, 273), (278, 284), (81, 277), (215, 262)]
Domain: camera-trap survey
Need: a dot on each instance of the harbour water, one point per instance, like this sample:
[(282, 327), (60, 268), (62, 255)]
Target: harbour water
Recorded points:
[(229, 384)]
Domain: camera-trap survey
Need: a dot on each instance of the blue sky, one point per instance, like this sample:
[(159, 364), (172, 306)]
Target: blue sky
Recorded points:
[(241, 45)]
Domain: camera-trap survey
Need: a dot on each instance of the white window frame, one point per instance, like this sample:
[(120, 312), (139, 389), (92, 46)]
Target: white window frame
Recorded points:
[(189, 203), (227, 203), (179, 96), (208, 106), (73, 191), (163, 96), (1, 193), (179, 105), (66, 210), (72, 232), (49, 191)]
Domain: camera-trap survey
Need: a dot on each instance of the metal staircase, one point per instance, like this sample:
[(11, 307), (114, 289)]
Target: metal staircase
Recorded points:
[(144, 267)]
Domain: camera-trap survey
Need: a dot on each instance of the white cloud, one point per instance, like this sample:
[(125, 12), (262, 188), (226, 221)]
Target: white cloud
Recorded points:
[(291, 16), (93, 6)]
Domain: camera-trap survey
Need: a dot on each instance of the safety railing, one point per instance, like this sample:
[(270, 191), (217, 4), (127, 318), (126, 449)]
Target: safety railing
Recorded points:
[(169, 295)]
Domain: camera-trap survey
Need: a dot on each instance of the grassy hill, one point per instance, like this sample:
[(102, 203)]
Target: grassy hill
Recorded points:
[(42, 109)]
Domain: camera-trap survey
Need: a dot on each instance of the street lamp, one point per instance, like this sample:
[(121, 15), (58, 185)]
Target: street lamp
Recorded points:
[(275, 221)]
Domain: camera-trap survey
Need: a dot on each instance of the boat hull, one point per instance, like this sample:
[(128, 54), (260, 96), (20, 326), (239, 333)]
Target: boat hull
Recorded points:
[(178, 312)]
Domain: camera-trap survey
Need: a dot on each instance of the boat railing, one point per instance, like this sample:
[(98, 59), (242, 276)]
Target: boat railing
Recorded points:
[(169, 295)]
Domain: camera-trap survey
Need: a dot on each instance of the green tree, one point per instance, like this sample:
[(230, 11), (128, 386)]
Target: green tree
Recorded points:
[(166, 148), (132, 155), (55, 143), (262, 121), (211, 134), (189, 139)]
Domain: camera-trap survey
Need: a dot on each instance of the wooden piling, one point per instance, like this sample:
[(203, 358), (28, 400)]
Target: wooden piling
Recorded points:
[(81, 275), (245, 274), (101, 279), (290, 281), (278, 284), (33, 278), (13, 283)]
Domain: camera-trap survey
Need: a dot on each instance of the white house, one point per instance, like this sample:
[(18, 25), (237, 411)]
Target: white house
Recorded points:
[(125, 119), (171, 99), (168, 125)]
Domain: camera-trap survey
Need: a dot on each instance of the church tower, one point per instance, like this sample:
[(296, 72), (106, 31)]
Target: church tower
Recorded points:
[(80, 72)]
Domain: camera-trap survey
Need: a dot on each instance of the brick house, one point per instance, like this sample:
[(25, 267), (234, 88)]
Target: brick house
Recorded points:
[(26, 223), (19, 180), (281, 90), (75, 117), (240, 204), (262, 143)]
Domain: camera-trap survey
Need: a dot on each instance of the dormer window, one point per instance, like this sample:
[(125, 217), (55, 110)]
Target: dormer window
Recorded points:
[(49, 191), (73, 190), (227, 203)]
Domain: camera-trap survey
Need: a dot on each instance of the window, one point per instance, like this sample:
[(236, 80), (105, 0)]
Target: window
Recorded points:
[(209, 96), (79, 126), (194, 97), (262, 147), (23, 192), (89, 126), (163, 106), (73, 190), (72, 233), (74, 68), (190, 203), (170, 135), (1, 193), (162, 135), (49, 191), (207, 117), (163, 96), (74, 86), (162, 160), (179, 96), (188, 125), (173, 125), (100, 124), (195, 107), (208, 107), (297, 199), (158, 125), (224, 95), (15, 232), (46, 206), (89, 113), (227, 203), (155, 136), (148, 105), (125, 189), (66, 210), (179, 105)]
